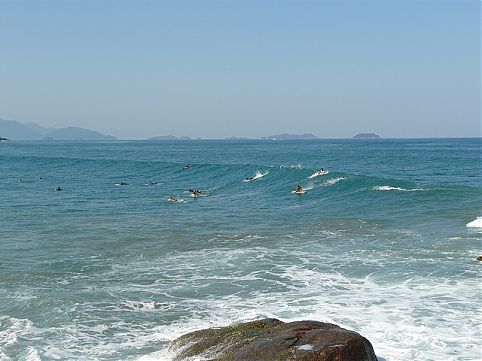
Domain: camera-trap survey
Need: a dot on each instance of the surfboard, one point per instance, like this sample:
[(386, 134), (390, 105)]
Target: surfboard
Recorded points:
[(317, 174), (198, 195)]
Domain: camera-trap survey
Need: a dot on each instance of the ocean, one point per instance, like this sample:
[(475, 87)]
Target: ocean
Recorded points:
[(384, 244)]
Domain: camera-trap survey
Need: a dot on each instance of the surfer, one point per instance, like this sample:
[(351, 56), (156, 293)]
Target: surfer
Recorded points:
[(172, 199), (195, 192), (124, 183), (298, 189), (186, 166), (153, 183), (318, 173), (58, 189), (249, 178)]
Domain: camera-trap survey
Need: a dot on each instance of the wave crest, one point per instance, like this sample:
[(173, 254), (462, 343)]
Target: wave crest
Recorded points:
[(390, 188), (476, 223)]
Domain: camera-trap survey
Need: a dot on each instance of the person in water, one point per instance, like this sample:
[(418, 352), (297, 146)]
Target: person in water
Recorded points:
[(298, 189), (123, 183), (195, 192), (186, 166), (172, 199), (58, 189), (249, 178)]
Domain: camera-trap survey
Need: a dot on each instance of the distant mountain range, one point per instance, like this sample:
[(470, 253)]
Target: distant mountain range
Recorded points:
[(15, 130)]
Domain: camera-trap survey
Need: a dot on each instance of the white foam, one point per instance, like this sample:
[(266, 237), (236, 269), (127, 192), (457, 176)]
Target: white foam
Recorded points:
[(260, 174), (177, 200), (292, 166), (10, 329), (334, 181), (32, 354), (257, 176), (145, 305), (476, 223), (390, 188)]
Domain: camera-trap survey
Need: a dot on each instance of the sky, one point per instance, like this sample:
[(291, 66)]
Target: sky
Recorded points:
[(245, 68)]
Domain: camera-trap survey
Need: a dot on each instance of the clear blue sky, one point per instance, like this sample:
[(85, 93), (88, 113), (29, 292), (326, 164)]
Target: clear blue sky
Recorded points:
[(334, 68)]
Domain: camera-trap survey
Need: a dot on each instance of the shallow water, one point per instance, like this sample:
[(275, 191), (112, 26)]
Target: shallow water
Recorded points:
[(380, 244)]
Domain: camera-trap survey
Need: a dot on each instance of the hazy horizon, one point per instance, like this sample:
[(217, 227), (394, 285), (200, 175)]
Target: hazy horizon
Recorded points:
[(244, 68), (261, 136)]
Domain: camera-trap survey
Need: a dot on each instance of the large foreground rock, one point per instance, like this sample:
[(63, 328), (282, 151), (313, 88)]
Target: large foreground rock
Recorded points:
[(273, 340)]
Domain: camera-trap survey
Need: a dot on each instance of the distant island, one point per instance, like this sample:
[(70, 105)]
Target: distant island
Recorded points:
[(366, 136), (286, 136), (16, 130), (169, 137)]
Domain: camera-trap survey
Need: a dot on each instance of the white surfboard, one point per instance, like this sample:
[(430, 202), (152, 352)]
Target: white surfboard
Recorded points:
[(317, 174)]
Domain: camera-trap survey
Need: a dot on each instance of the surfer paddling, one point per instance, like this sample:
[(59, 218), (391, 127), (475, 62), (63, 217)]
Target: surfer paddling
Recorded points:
[(298, 190), (195, 192)]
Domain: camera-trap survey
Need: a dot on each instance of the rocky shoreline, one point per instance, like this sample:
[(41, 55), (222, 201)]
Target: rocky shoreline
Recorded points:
[(273, 340)]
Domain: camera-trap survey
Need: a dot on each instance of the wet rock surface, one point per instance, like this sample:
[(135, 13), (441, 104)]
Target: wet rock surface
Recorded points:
[(272, 339)]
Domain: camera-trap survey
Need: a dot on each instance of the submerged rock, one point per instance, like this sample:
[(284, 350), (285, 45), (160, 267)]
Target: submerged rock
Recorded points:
[(273, 340)]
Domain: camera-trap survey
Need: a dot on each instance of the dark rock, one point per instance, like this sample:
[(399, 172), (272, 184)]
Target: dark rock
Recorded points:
[(274, 340)]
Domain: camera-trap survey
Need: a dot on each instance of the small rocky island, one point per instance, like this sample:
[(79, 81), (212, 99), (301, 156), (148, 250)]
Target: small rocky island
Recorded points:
[(286, 136), (272, 340), (168, 137), (366, 136)]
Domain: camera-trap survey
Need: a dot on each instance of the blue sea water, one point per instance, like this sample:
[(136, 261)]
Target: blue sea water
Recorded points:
[(384, 244)]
